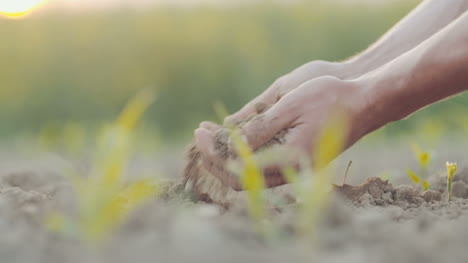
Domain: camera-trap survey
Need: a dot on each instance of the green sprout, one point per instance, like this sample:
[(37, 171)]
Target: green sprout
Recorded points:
[(252, 180), (251, 176), (104, 198), (424, 158), (315, 196), (416, 179), (451, 171)]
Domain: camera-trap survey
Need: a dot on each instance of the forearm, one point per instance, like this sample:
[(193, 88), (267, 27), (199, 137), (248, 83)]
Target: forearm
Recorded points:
[(434, 70), (425, 20)]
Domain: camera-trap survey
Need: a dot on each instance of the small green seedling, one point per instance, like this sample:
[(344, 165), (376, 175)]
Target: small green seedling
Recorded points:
[(104, 198), (416, 179), (424, 159), (252, 181), (251, 176), (451, 171), (315, 196)]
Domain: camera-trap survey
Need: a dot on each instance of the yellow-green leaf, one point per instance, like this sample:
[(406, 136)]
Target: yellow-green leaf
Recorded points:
[(251, 178), (413, 177), (426, 185)]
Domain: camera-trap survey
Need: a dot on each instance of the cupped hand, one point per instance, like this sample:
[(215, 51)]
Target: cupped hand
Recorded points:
[(289, 82), (302, 112)]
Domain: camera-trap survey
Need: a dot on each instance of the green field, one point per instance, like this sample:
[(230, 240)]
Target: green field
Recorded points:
[(58, 68)]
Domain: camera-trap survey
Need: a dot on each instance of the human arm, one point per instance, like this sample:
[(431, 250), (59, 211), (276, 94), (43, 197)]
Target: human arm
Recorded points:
[(421, 23), (434, 70)]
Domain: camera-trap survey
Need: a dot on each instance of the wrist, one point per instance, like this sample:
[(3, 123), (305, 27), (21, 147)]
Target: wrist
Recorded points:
[(386, 97), (350, 69), (378, 103)]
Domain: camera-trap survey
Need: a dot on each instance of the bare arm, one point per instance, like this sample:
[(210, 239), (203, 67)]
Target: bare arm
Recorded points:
[(425, 20), (434, 70), (420, 24)]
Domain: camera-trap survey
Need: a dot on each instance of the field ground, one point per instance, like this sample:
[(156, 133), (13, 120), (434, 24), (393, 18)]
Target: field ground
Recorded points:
[(174, 229), (66, 76)]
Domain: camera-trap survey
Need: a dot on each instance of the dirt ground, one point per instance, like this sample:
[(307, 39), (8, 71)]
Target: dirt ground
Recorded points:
[(393, 225)]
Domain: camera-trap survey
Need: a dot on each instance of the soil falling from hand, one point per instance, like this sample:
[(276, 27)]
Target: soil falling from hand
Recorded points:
[(205, 186)]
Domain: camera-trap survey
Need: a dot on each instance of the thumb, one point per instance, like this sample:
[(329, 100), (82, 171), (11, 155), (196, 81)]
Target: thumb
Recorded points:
[(264, 127)]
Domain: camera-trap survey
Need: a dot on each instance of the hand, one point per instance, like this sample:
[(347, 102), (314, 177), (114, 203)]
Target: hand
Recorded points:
[(291, 81), (302, 112)]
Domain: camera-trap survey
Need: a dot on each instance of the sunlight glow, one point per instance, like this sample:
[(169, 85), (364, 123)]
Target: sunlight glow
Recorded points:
[(15, 8)]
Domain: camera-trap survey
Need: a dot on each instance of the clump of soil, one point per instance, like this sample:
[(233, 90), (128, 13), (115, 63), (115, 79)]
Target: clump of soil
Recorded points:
[(205, 186), (375, 191)]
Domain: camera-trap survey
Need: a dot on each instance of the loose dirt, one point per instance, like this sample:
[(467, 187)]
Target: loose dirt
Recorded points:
[(205, 186), (377, 222)]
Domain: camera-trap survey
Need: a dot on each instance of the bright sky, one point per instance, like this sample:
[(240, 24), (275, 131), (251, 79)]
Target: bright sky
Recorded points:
[(18, 7)]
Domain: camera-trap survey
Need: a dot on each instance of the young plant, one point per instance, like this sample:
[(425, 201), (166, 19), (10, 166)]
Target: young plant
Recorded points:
[(252, 181), (416, 179), (251, 176), (316, 194), (424, 159), (451, 171), (104, 199)]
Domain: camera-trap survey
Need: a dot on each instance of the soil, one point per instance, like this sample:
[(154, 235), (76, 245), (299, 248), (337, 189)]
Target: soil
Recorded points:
[(376, 222)]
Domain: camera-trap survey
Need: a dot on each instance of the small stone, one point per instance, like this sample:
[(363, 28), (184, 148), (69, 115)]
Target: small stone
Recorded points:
[(459, 189), (431, 196)]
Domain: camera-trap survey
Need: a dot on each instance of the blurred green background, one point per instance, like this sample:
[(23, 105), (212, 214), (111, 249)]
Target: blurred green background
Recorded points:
[(58, 67)]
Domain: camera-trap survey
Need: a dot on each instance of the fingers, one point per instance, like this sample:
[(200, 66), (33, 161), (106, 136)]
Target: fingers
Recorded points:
[(204, 139), (300, 138), (273, 171), (267, 97), (274, 176), (296, 147), (285, 157), (264, 127), (211, 126), (211, 161), (218, 169)]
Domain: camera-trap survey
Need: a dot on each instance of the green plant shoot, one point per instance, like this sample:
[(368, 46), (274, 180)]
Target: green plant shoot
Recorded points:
[(451, 171), (416, 179), (315, 197), (252, 180), (424, 158), (104, 199)]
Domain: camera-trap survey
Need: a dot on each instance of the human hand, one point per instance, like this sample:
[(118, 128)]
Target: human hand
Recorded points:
[(302, 112), (289, 82)]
